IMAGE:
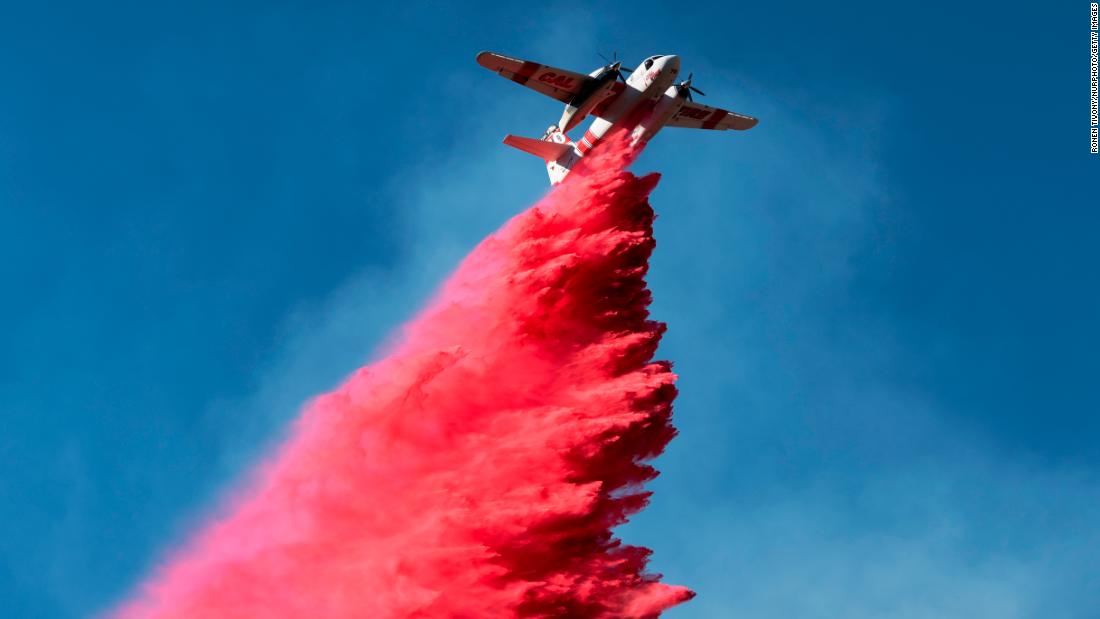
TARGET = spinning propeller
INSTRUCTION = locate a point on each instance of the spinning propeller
(686, 88)
(615, 65)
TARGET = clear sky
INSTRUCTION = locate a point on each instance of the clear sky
(882, 301)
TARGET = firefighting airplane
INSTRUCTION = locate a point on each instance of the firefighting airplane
(646, 101)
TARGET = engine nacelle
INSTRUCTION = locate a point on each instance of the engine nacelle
(590, 95)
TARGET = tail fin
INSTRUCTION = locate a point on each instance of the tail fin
(547, 151)
(554, 148)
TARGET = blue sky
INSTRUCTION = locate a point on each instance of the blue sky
(882, 301)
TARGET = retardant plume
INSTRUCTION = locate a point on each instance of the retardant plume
(478, 469)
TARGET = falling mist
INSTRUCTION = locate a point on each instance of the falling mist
(478, 469)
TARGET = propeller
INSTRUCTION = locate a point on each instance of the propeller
(614, 64)
(686, 88)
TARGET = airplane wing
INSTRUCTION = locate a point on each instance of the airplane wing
(698, 116)
(553, 82)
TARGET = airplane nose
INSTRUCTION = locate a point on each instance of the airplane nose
(673, 63)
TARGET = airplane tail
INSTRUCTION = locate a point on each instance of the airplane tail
(547, 151)
(554, 148)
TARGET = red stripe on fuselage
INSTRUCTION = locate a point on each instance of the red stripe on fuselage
(715, 118)
(525, 72)
(587, 142)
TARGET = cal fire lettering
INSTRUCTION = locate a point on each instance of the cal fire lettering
(561, 81)
(694, 112)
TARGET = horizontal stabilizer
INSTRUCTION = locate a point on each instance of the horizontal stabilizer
(547, 151)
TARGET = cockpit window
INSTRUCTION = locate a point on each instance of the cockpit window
(649, 63)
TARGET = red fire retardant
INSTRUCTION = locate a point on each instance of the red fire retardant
(478, 469)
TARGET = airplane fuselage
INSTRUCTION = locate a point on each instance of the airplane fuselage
(644, 88)
(649, 99)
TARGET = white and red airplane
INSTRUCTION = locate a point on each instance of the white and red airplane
(645, 102)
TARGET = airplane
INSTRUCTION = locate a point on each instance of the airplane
(645, 102)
